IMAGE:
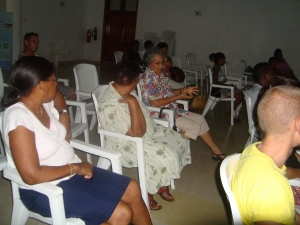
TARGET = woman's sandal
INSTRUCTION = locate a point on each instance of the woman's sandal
(218, 157)
(165, 194)
(154, 205)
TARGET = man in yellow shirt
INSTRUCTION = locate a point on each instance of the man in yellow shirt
(259, 182)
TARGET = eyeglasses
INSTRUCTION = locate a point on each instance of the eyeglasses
(158, 63)
(52, 79)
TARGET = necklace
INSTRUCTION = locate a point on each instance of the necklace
(37, 114)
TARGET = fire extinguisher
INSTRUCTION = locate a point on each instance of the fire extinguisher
(88, 36)
(94, 34)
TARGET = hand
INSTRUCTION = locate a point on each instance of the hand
(186, 96)
(69, 135)
(191, 90)
(127, 99)
(85, 169)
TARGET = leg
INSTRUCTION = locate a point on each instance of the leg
(208, 139)
(72, 96)
(133, 198)
(238, 99)
(122, 215)
(154, 205)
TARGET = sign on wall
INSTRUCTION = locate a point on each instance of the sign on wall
(6, 40)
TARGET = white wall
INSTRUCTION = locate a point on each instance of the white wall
(248, 29)
(64, 25)
(94, 18)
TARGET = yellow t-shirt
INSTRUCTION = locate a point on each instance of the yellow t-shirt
(261, 190)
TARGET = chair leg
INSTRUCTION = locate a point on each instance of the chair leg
(20, 213)
(248, 142)
(93, 122)
(213, 105)
(172, 184)
(207, 106)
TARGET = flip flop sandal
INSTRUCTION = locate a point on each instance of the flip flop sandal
(163, 191)
(154, 205)
(218, 157)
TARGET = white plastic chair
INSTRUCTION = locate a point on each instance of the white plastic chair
(54, 193)
(191, 78)
(251, 127)
(212, 101)
(118, 56)
(97, 94)
(55, 53)
(2, 154)
(86, 79)
(200, 68)
(226, 172)
(176, 61)
(242, 79)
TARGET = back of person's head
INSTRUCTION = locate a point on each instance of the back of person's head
(26, 73)
(278, 108)
(177, 74)
(259, 70)
(162, 45)
(215, 57)
(125, 73)
(134, 42)
(148, 44)
(28, 35)
(277, 51)
(150, 54)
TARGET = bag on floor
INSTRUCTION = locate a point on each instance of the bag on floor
(199, 101)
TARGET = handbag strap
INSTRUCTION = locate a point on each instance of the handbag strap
(159, 116)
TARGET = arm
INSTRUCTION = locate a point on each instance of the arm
(292, 173)
(64, 118)
(183, 93)
(25, 156)
(138, 123)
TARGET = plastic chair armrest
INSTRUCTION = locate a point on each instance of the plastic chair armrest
(51, 191)
(185, 104)
(162, 122)
(65, 81)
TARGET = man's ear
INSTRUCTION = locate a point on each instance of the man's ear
(297, 125)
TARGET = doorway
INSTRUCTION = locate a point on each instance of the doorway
(118, 27)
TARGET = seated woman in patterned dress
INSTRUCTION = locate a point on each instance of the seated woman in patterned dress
(121, 111)
(157, 92)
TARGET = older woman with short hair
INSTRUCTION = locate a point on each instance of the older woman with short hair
(157, 92)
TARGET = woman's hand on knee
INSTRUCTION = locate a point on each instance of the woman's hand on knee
(85, 169)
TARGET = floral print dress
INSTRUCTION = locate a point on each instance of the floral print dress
(166, 151)
(156, 86)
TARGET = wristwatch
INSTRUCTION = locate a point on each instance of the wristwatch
(63, 111)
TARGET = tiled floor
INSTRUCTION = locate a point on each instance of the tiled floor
(199, 195)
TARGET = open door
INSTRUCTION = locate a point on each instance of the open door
(118, 27)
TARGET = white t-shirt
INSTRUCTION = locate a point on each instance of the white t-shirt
(52, 148)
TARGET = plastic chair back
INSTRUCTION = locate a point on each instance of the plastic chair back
(86, 79)
(176, 61)
(190, 60)
(96, 94)
(226, 172)
(251, 127)
(118, 56)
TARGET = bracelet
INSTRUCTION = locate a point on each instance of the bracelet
(71, 170)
